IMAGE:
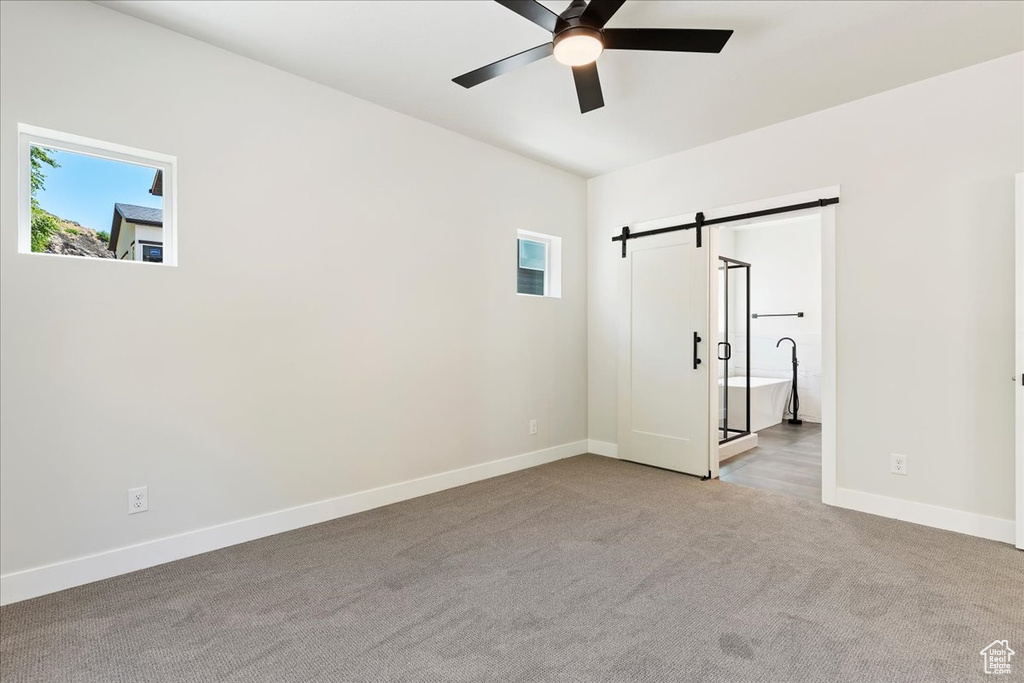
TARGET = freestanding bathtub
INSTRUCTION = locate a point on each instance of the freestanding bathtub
(768, 396)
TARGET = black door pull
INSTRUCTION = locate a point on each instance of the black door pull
(728, 350)
(696, 360)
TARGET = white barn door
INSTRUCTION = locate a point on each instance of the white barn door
(664, 356)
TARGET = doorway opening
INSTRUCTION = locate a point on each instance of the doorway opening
(769, 361)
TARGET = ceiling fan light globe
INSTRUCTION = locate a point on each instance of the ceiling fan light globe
(578, 46)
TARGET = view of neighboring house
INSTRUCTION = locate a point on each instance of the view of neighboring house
(136, 232)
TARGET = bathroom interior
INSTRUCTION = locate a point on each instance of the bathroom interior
(769, 356)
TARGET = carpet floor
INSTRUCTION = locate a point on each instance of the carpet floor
(586, 569)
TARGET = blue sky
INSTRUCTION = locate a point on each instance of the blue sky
(84, 189)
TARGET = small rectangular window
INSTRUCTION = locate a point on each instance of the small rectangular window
(532, 264)
(88, 198)
(153, 253)
(538, 264)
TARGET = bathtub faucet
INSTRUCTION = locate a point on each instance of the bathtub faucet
(790, 340)
(793, 405)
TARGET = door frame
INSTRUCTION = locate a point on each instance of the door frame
(829, 416)
(1019, 352)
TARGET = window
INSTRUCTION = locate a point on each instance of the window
(92, 199)
(533, 263)
(538, 264)
(153, 253)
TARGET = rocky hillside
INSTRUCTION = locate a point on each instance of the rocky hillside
(74, 239)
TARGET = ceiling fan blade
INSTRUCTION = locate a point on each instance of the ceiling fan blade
(486, 73)
(588, 87)
(667, 39)
(598, 12)
(534, 11)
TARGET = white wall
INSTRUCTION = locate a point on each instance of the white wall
(924, 271)
(344, 315)
(785, 258)
(125, 241)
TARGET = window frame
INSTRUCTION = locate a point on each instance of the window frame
(552, 263)
(33, 136)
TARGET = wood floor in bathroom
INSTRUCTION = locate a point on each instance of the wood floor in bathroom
(787, 460)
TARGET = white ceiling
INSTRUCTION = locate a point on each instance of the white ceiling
(785, 59)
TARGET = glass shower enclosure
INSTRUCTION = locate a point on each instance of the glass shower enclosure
(733, 330)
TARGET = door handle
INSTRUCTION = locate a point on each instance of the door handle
(728, 350)
(696, 360)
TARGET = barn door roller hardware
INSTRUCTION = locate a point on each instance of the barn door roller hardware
(699, 221)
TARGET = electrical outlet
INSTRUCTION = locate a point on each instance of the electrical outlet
(897, 463)
(138, 500)
(533, 426)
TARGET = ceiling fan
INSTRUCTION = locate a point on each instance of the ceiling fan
(579, 37)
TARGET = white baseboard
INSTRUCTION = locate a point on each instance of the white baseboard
(993, 528)
(37, 581)
(605, 448)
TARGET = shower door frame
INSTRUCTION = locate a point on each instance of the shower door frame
(733, 264)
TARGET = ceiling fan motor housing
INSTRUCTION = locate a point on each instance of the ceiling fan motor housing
(578, 30)
(570, 18)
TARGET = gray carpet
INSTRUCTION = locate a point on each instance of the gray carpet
(587, 569)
